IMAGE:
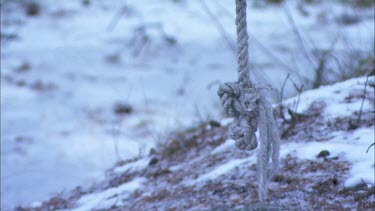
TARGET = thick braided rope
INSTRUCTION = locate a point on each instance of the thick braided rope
(241, 103)
(242, 45)
(263, 155)
(251, 109)
(270, 144)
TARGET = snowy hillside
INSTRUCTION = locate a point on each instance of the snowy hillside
(87, 84)
(326, 164)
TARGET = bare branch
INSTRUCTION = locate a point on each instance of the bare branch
(363, 100)
(296, 32)
(219, 26)
(281, 99)
(370, 147)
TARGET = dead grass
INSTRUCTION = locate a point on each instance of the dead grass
(299, 185)
(313, 126)
(187, 144)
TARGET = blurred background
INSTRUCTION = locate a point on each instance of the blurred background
(86, 83)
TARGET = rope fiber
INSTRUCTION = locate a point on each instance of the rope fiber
(251, 109)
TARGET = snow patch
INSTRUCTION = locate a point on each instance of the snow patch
(107, 198)
(223, 169)
(334, 97)
(224, 146)
(226, 121)
(350, 146)
(133, 166)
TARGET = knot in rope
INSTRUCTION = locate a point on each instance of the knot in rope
(251, 110)
(241, 103)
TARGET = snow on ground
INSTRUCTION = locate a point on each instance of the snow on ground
(342, 99)
(66, 71)
(198, 168)
(221, 170)
(342, 104)
(107, 198)
(138, 165)
(227, 144)
(350, 146)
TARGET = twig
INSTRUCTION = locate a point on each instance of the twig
(294, 115)
(318, 81)
(116, 137)
(219, 26)
(363, 100)
(299, 90)
(281, 99)
(296, 31)
(224, 9)
(116, 18)
(322, 60)
(370, 147)
(270, 54)
(369, 192)
(213, 83)
(198, 113)
(230, 42)
(337, 61)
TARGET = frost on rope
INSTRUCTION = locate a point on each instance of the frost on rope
(251, 109)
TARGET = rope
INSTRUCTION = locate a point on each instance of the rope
(251, 109)
(242, 38)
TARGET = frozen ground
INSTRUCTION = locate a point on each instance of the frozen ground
(326, 164)
(68, 68)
